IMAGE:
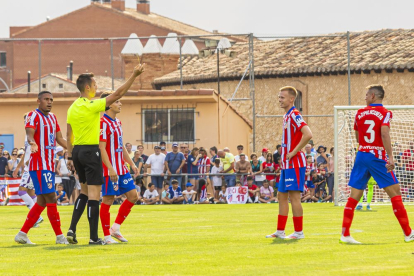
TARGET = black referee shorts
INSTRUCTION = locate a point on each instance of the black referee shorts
(88, 164)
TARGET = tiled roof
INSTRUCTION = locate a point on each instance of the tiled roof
(370, 50)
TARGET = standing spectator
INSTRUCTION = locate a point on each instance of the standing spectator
(128, 147)
(262, 158)
(240, 151)
(216, 179)
(151, 195)
(184, 150)
(13, 161)
(189, 194)
(308, 151)
(204, 165)
(192, 167)
(4, 159)
(310, 166)
(213, 154)
(257, 169)
(322, 158)
(174, 161)
(139, 163)
(278, 170)
(313, 145)
(176, 196)
(277, 153)
(156, 163)
(227, 159)
(64, 173)
(331, 171)
(163, 145)
(253, 191)
(269, 167)
(243, 167)
(141, 152)
(266, 193)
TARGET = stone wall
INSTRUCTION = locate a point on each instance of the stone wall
(319, 96)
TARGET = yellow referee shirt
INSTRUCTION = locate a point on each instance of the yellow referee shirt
(84, 117)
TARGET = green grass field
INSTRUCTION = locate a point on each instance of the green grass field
(213, 240)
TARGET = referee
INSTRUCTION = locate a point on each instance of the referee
(83, 129)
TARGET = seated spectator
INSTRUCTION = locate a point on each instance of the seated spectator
(139, 184)
(217, 179)
(269, 168)
(243, 167)
(238, 183)
(320, 182)
(165, 195)
(306, 195)
(61, 197)
(266, 193)
(253, 191)
(223, 195)
(119, 199)
(189, 194)
(151, 195)
(205, 197)
(257, 169)
(175, 192)
(315, 182)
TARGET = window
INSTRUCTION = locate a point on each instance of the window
(60, 85)
(3, 59)
(298, 101)
(43, 85)
(170, 125)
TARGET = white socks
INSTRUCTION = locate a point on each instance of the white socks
(28, 200)
(116, 227)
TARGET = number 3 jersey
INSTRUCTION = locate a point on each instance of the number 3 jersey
(368, 123)
(111, 133)
(45, 128)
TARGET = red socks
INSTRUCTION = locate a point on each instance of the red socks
(32, 217)
(401, 214)
(281, 222)
(105, 218)
(348, 215)
(54, 218)
(124, 211)
(298, 224)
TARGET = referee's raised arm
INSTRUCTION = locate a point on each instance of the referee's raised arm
(83, 129)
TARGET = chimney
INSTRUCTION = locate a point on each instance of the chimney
(28, 81)
(68, 72)
(71, 70)
(118, 5)
(143, 6)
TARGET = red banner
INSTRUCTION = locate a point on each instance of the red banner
(9, 188)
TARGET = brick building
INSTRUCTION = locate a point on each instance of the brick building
(93, 21)
(317, 67)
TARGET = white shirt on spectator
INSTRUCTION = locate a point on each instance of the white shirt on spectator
(262, 158)
(216, 179)
(189, 194)
(237, 158)
(156, 162)
(223, 195)
(148, 194)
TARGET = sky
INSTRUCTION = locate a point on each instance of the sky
(261, 17)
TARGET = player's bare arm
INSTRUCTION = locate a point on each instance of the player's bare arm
(30, 139)
(60, 140)
(129, 160)
(105, 159)
(120, 92)
(386, 140)
(306, 136)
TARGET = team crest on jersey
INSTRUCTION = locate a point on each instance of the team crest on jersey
(299, 120)
(51, 138)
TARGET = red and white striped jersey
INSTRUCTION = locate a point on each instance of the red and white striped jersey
(202, 165)
(45, 128)
(111, 133)
(292, 124)
(368, 123)
(309, 167)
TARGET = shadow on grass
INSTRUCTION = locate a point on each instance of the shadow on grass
(284, 241)
(366, 211)
(81, 246)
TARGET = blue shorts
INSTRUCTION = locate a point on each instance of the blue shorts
(310, 184)
(43, 181)
(367, 165)
(124, 185)
(292, 180)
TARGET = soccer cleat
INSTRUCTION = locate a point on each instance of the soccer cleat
(71, 237)
(61, 240)
(296, 236)
(117, 235)
(277, 234)
(98, 242)
(38, 222)
(359, 207)
(348, 240)
(409, 238)
(110, 240)
(22, 238)
(369, 208)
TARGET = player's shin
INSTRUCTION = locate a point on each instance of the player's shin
(78, 209)
(401, 214)
(348, 216)
(32, 217)
(54, 218)
(93, 218)
(123, 212)
(105, 218)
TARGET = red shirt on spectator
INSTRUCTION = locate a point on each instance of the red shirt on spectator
(252, 188)
(271, 167)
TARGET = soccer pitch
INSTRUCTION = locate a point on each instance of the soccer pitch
(213, 240)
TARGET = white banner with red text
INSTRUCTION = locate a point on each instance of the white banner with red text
(237, 195)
